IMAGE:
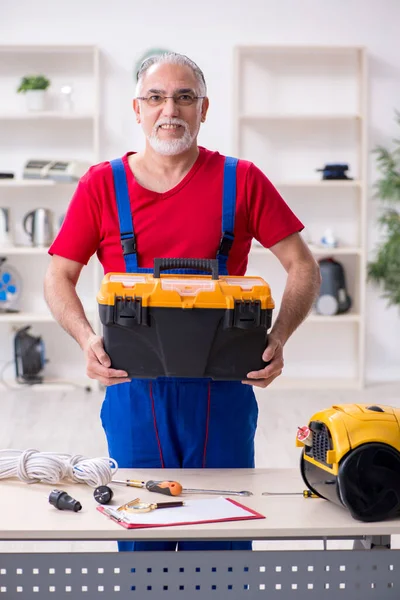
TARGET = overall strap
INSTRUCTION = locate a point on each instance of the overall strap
(228, 213)
(127, 235)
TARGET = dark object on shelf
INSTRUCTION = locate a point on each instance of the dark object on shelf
(4, 175)
(333, 298)
(63, 501)
(29, 357)
(335, 171)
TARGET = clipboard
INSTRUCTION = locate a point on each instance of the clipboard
(194, 512)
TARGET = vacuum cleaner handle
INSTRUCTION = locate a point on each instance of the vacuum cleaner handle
(200, 264)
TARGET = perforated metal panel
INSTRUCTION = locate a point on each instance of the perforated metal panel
(289, 575)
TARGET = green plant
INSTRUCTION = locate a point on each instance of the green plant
(33, 82)
(385, 269)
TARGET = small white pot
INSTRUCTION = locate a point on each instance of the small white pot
(35, 99)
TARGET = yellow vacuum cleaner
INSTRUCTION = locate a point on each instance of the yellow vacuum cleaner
(185, 325)
(351, 456)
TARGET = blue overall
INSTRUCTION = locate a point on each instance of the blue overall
(179, 423)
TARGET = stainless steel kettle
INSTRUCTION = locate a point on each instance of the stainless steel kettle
(38, 224)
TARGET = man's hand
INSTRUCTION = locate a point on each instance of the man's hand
(98, 363)
(273, 353)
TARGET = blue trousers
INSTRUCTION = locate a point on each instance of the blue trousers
(181, 423)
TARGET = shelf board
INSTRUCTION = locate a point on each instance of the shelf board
(22, 250)
(318, 183)
(16, 182)
(46, 115)
(51, 385)
(295, 48)
(350, 250)
(345, 318)
(317, 250)
(25, 317)
(31, 317)
(300, 117)
(292, 383)
(39, 48)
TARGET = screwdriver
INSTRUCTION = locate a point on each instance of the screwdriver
(304, 493)
(220, 492)
(168, 488)
(174, 488)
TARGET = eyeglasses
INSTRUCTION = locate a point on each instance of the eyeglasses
(179, 99)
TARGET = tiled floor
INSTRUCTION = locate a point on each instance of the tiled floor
(68, 422)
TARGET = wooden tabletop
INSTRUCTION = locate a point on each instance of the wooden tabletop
(25, 512)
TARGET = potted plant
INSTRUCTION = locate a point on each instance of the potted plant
(385, 269)
(34, 87)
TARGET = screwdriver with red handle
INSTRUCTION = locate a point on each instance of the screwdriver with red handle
(168, 488)
(174, 488)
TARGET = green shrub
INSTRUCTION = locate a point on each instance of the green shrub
(33, 82)
(385, 269)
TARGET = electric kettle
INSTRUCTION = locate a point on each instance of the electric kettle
(5, 237)
(38, 224)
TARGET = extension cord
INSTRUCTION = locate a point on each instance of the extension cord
(32, 466)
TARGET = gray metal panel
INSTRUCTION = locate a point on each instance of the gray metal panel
(277, 575)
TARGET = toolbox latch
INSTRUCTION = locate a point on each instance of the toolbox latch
(129, 312)
(246, 314)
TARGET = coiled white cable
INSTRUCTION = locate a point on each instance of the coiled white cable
(33, 466)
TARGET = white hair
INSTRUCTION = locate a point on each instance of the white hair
(174, 59)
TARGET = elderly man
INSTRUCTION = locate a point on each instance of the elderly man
(175, 199)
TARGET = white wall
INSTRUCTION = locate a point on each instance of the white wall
(207, 31)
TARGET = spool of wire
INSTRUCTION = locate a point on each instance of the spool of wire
(32, 466)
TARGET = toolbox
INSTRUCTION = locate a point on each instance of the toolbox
(185, 325)
(351, 456)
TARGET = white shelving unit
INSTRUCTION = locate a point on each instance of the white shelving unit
(46, 115)
(35, 317)
(325, 184)
(297, 117)
(55, 134)
(35, 183)
(318, 250)
(296, 109)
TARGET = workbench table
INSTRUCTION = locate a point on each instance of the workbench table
(25, 514)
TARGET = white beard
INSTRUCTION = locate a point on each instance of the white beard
(171, 147)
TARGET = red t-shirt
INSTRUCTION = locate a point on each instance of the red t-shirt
(184, 222)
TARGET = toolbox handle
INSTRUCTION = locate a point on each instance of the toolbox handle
(200, 264)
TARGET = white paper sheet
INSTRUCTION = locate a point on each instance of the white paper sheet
(193, 511)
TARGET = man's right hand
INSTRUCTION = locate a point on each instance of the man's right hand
(98, 363)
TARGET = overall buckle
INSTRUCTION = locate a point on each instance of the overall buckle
(128, 244)
(225, 244)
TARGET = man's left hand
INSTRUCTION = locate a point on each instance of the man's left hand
(273, 353)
